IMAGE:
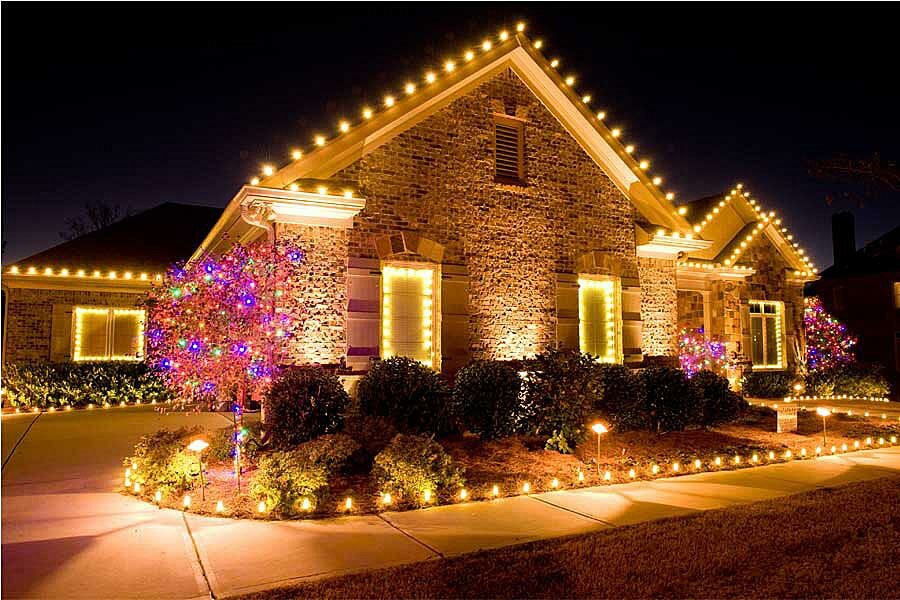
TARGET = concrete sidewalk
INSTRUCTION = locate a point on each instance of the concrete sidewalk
(68, 534)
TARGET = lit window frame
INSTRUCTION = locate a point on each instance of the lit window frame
(430, 275)
(111, 312)
(612, 288)
(780, 365)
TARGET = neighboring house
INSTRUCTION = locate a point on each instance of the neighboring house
(81, 300)
(487, 213)
(862, 290)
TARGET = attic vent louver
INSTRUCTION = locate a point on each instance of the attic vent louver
(509, 160)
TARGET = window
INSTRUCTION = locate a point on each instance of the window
(599, 318)
(101, 333)
(766, 344)
(509, 150)
(897, 294)
(407, 313)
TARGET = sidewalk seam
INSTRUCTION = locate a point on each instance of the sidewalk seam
(410, 536)
(574, 512)
(24, 433)
(187, 526)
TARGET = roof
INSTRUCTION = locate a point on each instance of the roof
(734, 221)
(147, 241)
(353, 139)
(879, 256)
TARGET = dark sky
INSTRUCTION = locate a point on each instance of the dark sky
(140, 104)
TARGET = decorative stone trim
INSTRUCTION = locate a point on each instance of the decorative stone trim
(407, 242)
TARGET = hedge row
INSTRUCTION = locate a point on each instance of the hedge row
(853, 379)
(46, 384)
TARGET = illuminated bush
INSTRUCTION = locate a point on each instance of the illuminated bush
(302, 403)
(852, 379)
(284, 479)
(415, 397)
(77, 384)
(161, 461)
(489, 394)
(561, 389)
(411, 465)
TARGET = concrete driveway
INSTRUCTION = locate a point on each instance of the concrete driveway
(68, 533)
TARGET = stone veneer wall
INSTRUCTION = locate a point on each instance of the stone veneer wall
(690, 310)
(437, 179)
(659, 307)
(29, 317)
(315, 294)
(770, 283)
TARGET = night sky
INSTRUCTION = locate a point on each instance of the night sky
(141, 104)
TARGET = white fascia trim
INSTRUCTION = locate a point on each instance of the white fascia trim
(302, 208)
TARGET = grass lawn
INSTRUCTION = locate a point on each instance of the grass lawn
(511, 462)
(837, 543)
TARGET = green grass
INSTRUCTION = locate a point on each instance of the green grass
(838, 543)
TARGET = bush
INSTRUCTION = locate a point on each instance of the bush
(161, 461)
(221, 443)
(561, 390)
(302, 403)
(620, 397)
(671, 399)
(489, 395)
(412, 395)
(412, 464)
(767, 384)
(284, 479)
(853, 379)
(46, 384)
(373, 434)
(718, 404)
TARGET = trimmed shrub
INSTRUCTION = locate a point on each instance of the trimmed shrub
(489, 395)
(161, 461)
(46, 384)
(412, 464)
(718, 404)
(303, 403)
(853, 379)
(767, 384)
(373, 434)
(561, 389)
(671, 399)
(221, 443)
(409, 393)
(284, 479)
(620, 397)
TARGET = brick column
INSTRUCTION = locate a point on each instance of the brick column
(315, 295)
(659, 306)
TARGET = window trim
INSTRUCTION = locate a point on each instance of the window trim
(779, 332)
(519, 125)
(430, 301)
(614, 355)
(111, 313)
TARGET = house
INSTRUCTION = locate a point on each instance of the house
(487, 212)
(862, 290)
(81, 300)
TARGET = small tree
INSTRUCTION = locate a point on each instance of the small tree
(697, 353)
(213, 329)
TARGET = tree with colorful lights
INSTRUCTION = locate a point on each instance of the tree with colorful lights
(213, 325)
(828, 343)
(696, 352)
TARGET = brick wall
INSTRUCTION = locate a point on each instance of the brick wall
(30, 313)
(315, 294)
(659, 307)
(438, 179)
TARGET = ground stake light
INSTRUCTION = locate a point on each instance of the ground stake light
(823, 412)
(599, 429)
(199, 446)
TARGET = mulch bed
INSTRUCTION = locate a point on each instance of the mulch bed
(512, 463)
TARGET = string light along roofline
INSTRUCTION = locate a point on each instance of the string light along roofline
(452, 70)
(765, 221)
